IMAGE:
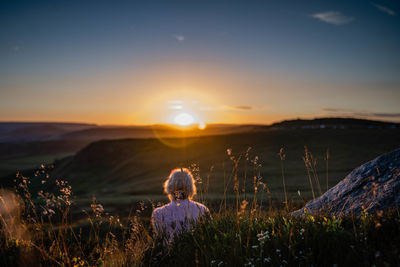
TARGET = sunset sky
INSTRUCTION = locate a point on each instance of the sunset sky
(144, 62)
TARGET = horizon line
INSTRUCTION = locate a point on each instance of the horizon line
(194, 124)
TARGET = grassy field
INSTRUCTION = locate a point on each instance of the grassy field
(41, 231)
(14, 164)
(121, 172)
(29, 155)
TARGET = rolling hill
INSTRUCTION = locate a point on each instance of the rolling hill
(26, 145)
(137, 167)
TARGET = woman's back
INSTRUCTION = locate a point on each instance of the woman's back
(177, 216)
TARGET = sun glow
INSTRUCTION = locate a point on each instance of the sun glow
(184, 119)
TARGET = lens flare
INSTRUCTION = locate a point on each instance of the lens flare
(202, 125)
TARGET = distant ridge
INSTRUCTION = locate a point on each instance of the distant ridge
(15, 132)
(37, 131)
(334, 123)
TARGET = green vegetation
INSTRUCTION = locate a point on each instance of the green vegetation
(39, 227)
(10, 165)
(280, 240)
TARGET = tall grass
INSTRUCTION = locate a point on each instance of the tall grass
(280, 240)
(327, 168)
(282, 157)
(311, 166)
(41, 228)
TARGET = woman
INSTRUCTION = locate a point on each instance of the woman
(180, 214)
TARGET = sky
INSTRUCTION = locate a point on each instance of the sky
(146, 62)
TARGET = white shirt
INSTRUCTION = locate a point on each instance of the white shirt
(177, 216)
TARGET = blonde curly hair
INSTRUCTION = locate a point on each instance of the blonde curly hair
(180, 184)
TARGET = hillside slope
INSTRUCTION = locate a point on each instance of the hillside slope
(139, 166)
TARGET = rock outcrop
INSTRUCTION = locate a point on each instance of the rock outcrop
(373, 186)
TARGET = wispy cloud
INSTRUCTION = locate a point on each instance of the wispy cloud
(384, 9)
(179, 38)
(243, 107)
(333, 17)
(177, 102)
(361, 113)
(175, 107)
(234, 108)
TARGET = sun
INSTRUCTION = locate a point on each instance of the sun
(184, 119)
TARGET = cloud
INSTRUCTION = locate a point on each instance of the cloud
(336, 110)
(175, 102)
(175, 107)
(179, 38)
(234, 108)
(386, 115)
(243, 107)
(361, 113)
(384, 9)
(333, 17)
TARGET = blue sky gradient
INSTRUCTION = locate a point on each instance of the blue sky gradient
(292, 58)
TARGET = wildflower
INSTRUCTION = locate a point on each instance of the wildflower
(247, 153)
(243, 207)
(262, 236)
(282, 154)
(302, 231)
(255, 160)
(97, 209)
